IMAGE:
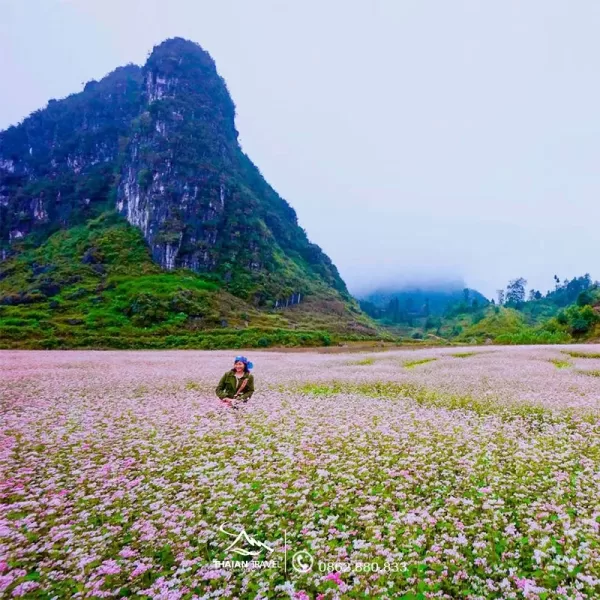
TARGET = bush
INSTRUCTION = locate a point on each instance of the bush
(553, 326)
(585, 298)
(533, 337)
(51, 343)
(579, 319)
(146, 310)
(456, 330)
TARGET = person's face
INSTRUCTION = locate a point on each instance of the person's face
(239, 366)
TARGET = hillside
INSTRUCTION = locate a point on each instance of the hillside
(141, 175)
(568, 313)
(405, 309)
(96, 285)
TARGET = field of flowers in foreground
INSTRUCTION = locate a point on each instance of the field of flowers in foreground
(471, 473)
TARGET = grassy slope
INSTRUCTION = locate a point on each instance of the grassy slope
(509, 326)
(95, 285)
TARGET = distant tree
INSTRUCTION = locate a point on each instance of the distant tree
(466, 293)
(500, 297)
(567, 293)
(393, 310)
(409, 311)
(371, 309)
(478, 316)
(579, 319)
(585, 298)
(538, 295)
(515, 292)
(430, 323)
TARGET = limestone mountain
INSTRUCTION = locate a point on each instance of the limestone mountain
(156, 146)
(159, 145)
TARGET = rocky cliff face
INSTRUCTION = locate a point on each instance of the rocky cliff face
(180, 165)
(58, 165)
(159, 145)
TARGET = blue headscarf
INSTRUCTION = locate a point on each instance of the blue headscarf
(243, 359)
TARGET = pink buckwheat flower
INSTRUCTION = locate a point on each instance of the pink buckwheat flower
(334, 577)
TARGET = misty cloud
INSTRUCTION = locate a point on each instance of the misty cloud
(416, 140)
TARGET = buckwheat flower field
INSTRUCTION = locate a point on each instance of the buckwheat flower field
(435, 473)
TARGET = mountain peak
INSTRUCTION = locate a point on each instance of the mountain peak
(178, 46)
(184, 58)
(182, 71)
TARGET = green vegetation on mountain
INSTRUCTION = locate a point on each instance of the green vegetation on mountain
(130, 217)
(96, 285)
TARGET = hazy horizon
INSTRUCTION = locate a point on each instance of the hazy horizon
(416, 141)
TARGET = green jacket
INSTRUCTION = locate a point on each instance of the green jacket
(228, 386)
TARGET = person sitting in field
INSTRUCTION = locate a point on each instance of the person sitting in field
(237, 385)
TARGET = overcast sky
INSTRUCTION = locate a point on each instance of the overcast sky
(415, 139)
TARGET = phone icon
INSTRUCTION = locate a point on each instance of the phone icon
(302, 561)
